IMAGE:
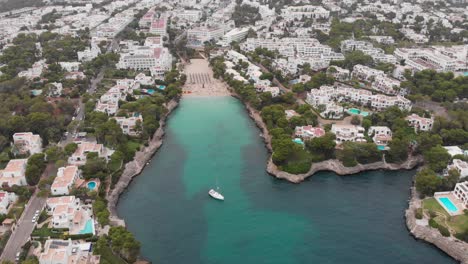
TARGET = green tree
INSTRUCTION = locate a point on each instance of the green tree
(427, 182)
(34, 168)
(322, 148)
(437, 158)
(123, 242)
(70, 148)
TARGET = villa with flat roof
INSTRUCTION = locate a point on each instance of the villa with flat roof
(66, 177)
(58, 251)
(420, 123)
(461, 192)
(460, 166)
(79, 156)
(27, 143)
(309, 132)
(348, 133)
(14, 173)
(382, 135)
(68, 212)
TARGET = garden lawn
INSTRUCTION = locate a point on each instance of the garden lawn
(458, 223)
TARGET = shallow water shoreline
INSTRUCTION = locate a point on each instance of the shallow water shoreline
(136, 166)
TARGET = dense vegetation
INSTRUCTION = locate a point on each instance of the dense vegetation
(440, 86)
(245, 15)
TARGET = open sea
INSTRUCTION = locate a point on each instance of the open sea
(327, 219)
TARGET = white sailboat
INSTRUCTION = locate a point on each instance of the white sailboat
(215, 193)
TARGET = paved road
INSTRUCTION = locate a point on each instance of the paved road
(24, 229)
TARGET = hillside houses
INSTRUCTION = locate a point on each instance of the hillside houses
(328, 95)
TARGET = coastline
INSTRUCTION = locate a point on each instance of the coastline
(136, 166)
(422, 231)
(328, 165)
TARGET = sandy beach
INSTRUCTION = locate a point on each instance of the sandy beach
(200, 80)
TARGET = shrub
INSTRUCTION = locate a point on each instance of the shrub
(443, 231)
(433, 223)
(418, 213)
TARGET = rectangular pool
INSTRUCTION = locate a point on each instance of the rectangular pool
(448, 204)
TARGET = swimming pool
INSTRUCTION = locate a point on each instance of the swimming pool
(380, 147)
(91, 185)
(88, 228)
(355, 111)
(448, 204)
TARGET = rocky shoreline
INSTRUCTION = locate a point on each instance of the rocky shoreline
(328, 165)
(420, 229)
(337, 167)
(136, 166)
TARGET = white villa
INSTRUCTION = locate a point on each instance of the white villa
(58, 251)
(309, 132)
(79, 157)
(460, 166)
(66, 177)
(461, 192)
(128, 124)
(382, 135)
(14, 173)
(68, 212)
(348, 133)
(6, 200)
(420, 123)
(27, 143)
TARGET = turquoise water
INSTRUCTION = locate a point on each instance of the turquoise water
(380, 147)
(91, 185)
(327, 219)
(88, 228)
(448, 204)
(355, 111)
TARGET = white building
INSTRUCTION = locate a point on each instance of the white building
(79, 156)
(14, 173)
(456, 150)
(309, 132)
(420, 123)
(437, 58)
(328, 94)
(368, 48)
(381, 135)
(66, 177)
(338, 73)
(461, 192)
(27, 143)
(6, 200)
(460, 166)
(236, 34)
(158, 27)
(89, 53)
(35, 71)
(56, 251)
(298, 12)
(346, 133)
(146, 58)
(68, 212)
(198, 35)
(128, 124)
(70, 66)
